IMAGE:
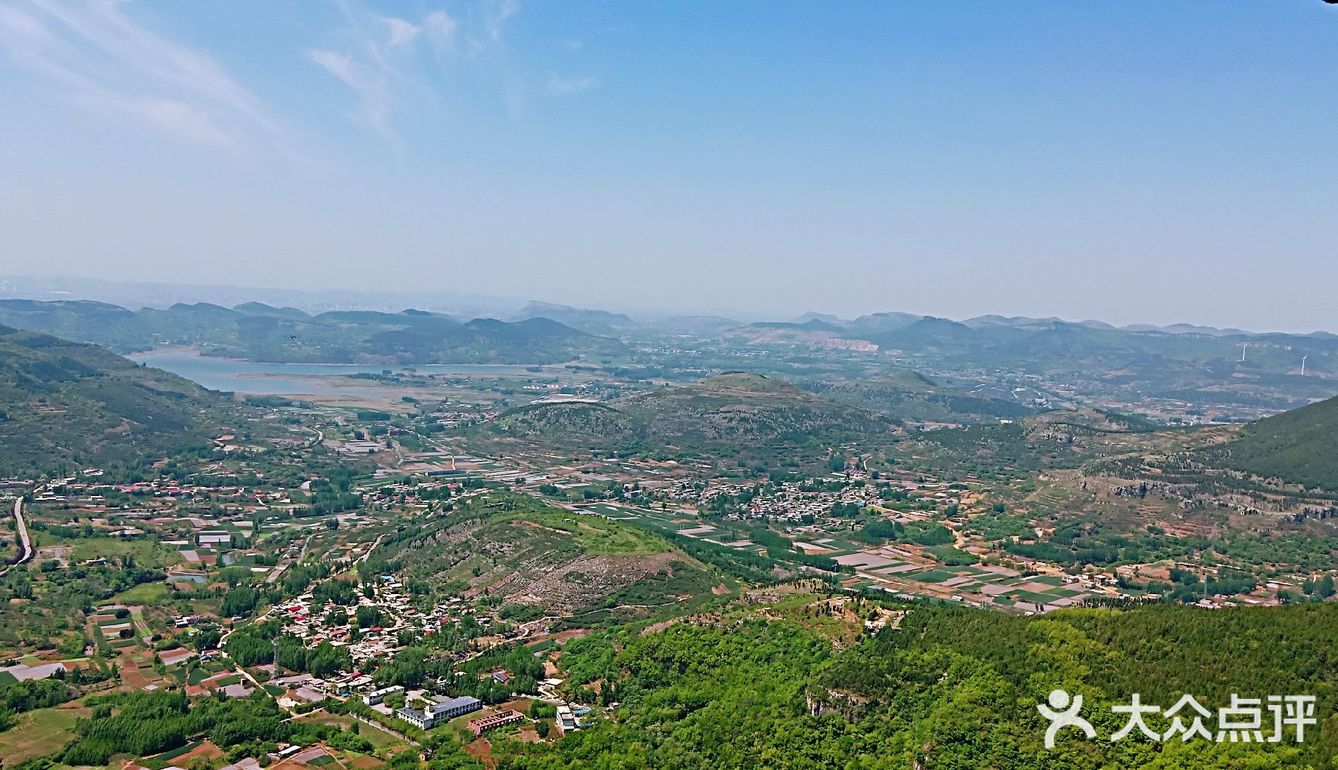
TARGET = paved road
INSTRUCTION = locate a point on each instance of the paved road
(379, 538)
(25, 542)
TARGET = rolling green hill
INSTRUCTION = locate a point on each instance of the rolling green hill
(1061, 438)
(746, 409)
(65, 405)
(578, 425)
(591, 321)
(1300, 446)
(547, 561)
(747, 417)
(912, 397)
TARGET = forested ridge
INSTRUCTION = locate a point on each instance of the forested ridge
(1299, 446)
(950, 688)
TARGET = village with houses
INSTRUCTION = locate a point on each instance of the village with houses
(350, 569)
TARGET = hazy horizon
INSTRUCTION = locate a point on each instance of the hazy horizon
(134, 295)
(1138, 163)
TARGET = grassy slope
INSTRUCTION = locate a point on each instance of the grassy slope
(39, 733)
(592, 534)
(747, 407)
(566, 563)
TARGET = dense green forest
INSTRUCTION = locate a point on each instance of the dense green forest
(950, 688)
(1300, 446)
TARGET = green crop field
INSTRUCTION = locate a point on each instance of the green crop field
(147, 553)
(930, 576)
(144, 593)
(39, 733)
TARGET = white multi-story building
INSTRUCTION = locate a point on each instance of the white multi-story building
(443, 710)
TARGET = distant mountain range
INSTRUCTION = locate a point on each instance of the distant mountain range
(590, 321)
(136, 294)
(471, 305)
(1024, 343)
(1203, 367)
(1041, 344)
(260, 332)
(1199, 365)
(890, 321)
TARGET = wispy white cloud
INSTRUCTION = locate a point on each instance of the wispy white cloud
(496, 14)
(18, 27)
(380, 60)
(370, 83)
(184, 120)
(102, 59)
(487, 23)
(441, 32)
(402, 33)
(565, 86)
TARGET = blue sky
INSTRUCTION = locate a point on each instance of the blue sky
(1142, 161)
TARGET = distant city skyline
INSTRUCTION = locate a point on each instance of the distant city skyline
(1143, 162)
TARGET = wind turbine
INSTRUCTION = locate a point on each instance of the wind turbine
(1242, 350)
(1303, 358)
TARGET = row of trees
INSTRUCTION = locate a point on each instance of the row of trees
(144, 723)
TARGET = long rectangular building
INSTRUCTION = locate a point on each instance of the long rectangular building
(376, 697)
(442, 710)
(493, 721)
